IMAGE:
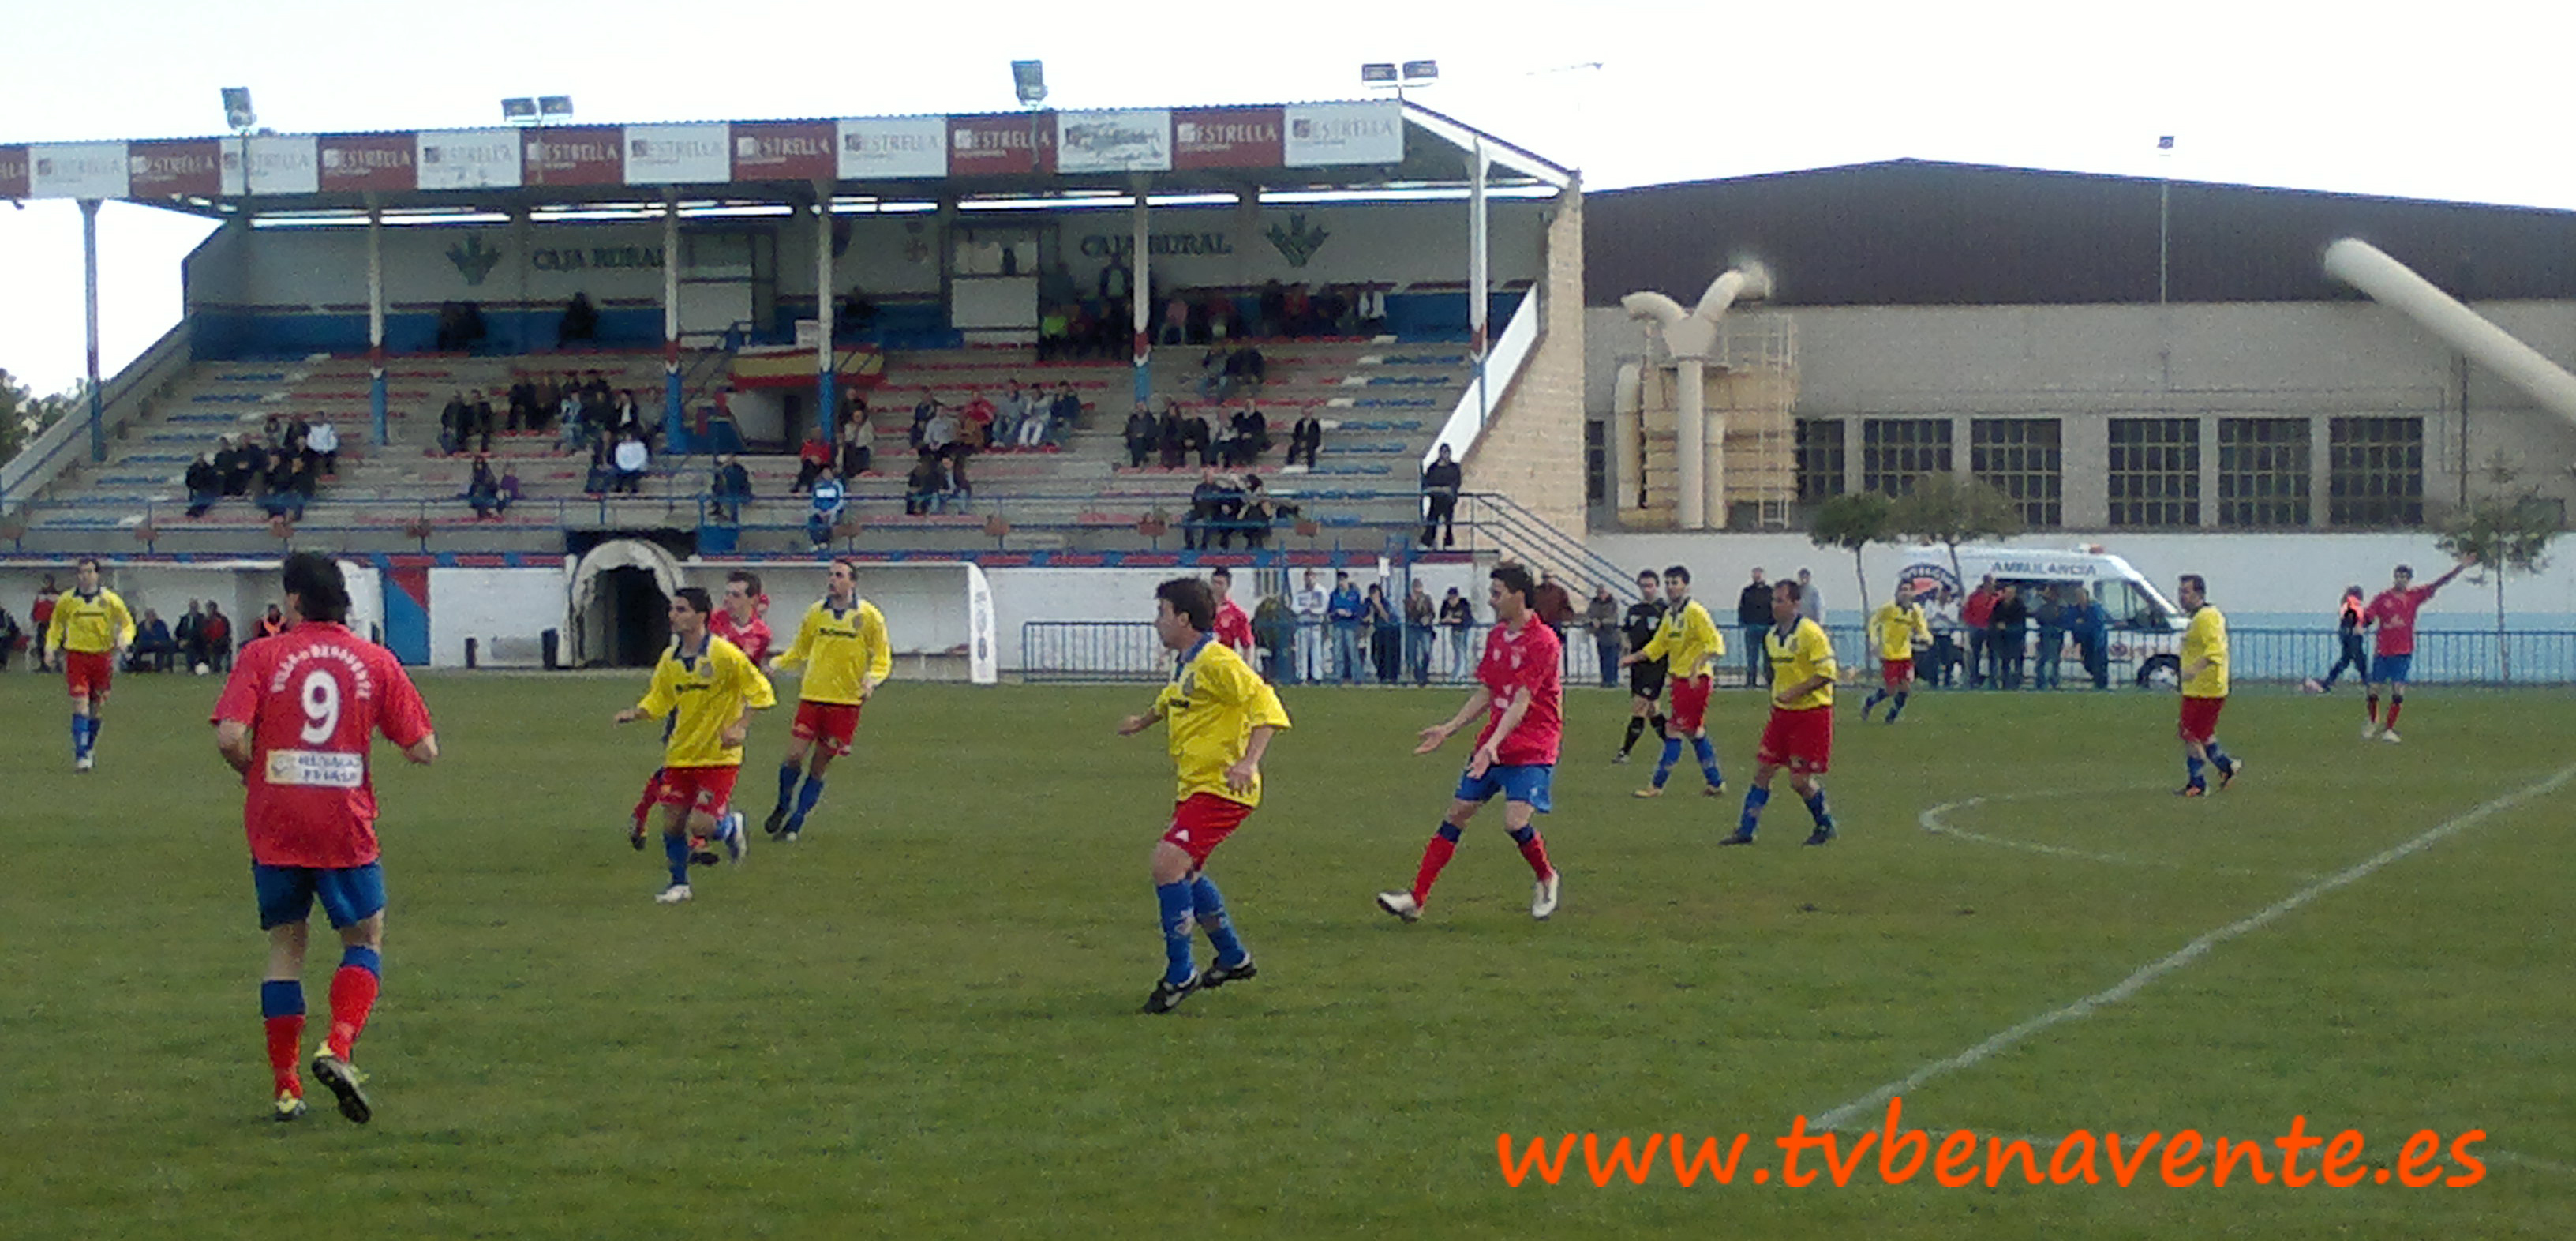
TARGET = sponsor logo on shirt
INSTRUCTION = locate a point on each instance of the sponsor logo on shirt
(316, 769)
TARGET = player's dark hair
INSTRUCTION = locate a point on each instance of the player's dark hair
(86, 562)
(1796, 592)
(321, 594)
(2408, 570)
(750, 582)
(1679, 571)
(2196, 582)
(2352, 592)
(1645, 575)
(1221, 572)
(1515, 579)
(1191, 600)
(696, 598)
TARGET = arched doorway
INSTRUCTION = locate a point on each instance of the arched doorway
(621, 592)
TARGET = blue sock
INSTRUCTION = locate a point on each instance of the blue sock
(364, 958)
(2218, 757)
(2193, 766)
(1898, 709)
(1755, 799)
(1870, 703)
(788, 775)
(806, 798)
(676, 848)
(281, 998)
(1209, 907)
(80, 735)
(1664, 765)
(1816, 810)
(1178, 906)
(1707, 755)
(95, 724)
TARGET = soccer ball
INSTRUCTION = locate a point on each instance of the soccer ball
(203, 670)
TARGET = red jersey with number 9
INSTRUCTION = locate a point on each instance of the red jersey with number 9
(313, 698)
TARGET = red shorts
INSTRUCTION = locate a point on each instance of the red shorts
(1802, 741)
(705, 790)
(833, 724)
(1690, 702)
(88, 673)
(1894, 673)
(2200, 718)
(1203, 822)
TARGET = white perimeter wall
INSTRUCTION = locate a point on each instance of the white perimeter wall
(243, 588)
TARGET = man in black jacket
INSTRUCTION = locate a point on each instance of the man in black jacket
(1753, 616)
(205, 484)
(1141, 435)
(2004, 644)
(1440, 483)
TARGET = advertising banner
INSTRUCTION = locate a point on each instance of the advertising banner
(187, 166)
(678, 154)
(273, 164)
(1343, 133)
(76, 170)
(1228, 137)
(987, 146)
(898, 146)
(362, 162)
(785, 151)
(573, 155)
(1126, 140)
(469, 159)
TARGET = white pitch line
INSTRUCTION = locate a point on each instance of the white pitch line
(2526, 1161)
(2194, 950)
(1936, 821)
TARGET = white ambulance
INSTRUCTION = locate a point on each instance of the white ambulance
(2145, 637)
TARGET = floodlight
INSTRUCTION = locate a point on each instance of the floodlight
(1378, 74)
(554, 105)
(1029, 76)
(1421, 71)
(519, 111)
(2165, 142)
(237, 110)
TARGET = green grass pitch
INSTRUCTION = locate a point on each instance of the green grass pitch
(921, 1020)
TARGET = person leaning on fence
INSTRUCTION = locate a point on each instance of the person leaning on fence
(1458, 616)
(1385, 635)
(2090, 626)
(2004, 643)
(2050, 617)
(1420, 615)
(1349, 612)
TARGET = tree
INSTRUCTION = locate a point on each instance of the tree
(24, 415)
(2500, 535)
(1950, 509)
(1852, 521)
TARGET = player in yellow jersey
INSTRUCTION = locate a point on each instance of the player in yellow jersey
(842, 643)
(714, 689)
(1221, 716)
(1899, 629)
(1690, 646)
(91, 628)
(1800, 735)
(2204, 690)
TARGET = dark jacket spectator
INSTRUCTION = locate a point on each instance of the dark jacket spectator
(205, 484)
(483, 491)
(922, 486)
(1440, 483)
(154, 647)
(1305, 439)
(2004, 642)
(731, 489)
(580, 321)
(1142, 435)
(215, 634)
(192, 646)
(9, 635)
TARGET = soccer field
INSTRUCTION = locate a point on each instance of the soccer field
(921, 1019)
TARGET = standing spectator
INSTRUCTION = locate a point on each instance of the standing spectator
(322, 449)
(1175, 328)
(1753, 617)
(1554, 606)
(192, 648)
(1602, 617)
(1458, 617)
(2351, 617)
(731, 488)
(41, 615)
(1311, 605)
(1944, 614)
(9, 636)
(1349, 610)
(1974, 617)
(1274, 628)
(216, 632)
(1305, 439)
(1811, 601)
(858, 442)
(2090, 625)
(1386, 635)
(1420, 613)
(2004, 642)
(1440, 482)
(2050, 617)
(1141, 435)
(812, 458)
(478, 415)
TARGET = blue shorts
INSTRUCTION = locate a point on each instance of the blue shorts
(1522, 782)
(2390, 669)
(350, 895)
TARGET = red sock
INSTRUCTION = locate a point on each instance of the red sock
(1434, 856)
(1534, 852)
(2393, 706)
(285, 1036)
(353, 995)
(2374, 708)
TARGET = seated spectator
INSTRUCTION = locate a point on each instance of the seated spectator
(1250, 369)
(580, 321)
(1173, 439)
(237, 464)
(731, 489)
(285, 495)
(1141, 435)
(975, 421)
(922, 411)
(1215, 504)
(626, 414)
(509, 487)
(922, 486)
(1305, 439)
(1212, 373)
(631, 460)
(153, 646)
(1197, 439)
(858, 442)
(826, 495)
(1254, 428)
(215, 637)
(483, 491)
(1063, 414)
(1055, 334)
(939, 435)
(322, 449)
(1014, 409)
(1260, 513)
(812, 458)
(955, 492)
(205, 484)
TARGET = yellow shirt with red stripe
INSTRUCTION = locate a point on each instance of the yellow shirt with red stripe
(93, 625)
(1805, 654)
(1688, 641)
(1899, 629)
(710, 692)
(2206, 639)
(843, 652)
(1211, 706)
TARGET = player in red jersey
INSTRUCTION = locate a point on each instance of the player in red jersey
(1520, 691)
(1233, 626)
(296, 719)
(2394, 612)
(741, 621)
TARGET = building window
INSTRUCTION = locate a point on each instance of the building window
(2263, 472)
(1896, 451)
(2020, 457)
(2155, 472)
(2375, 472)
(1820, 459)
(1596, 462)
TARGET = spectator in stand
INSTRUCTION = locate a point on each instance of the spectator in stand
(812, 458)
(1172, 438)
(1197, 438)
(630, 418)
(1212, 374)
(283, 495)
(1609, 642)
(1140, 436)
(205, 484)
(955, 493)
(1064, 413)
(1055, 333)
(1271, 307)
(479, 412)
(192, 647)
(939, 435)
(215, 633)
(858, 443)
(1348, 611)
(1459, 618)
(826, 496)
(922, 411)
(730, 490)
(1975, 616)
(41, 615)
(2050, 617)
(1259, 511)
(2003, 636)
(632, 460)
(1440, 482)
(1753, 618)
(922, 486)
(2090, 626)
(1420, 616)
(322, 447)
(1554, 606)
(237, 465)
(1012, 412)
(1254, 430)
(975, 428)
(1175, 328)
(483, 490)
(1215, 506)
(1306, 438)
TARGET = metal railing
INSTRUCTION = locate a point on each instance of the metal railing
(121, 398)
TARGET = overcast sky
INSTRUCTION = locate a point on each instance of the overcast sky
(2452, 101)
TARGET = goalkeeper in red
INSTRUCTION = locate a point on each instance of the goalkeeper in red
(842, 643)
(296, 719)
(710, 688)
(1221, 716)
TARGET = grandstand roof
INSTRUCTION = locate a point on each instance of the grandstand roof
(1344, 145)
(1915, 232)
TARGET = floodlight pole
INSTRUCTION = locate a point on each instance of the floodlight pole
(376, 319)
(1139, 276)
(827, 395)
(671, 317)
(1478, 273)
(89, 303)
